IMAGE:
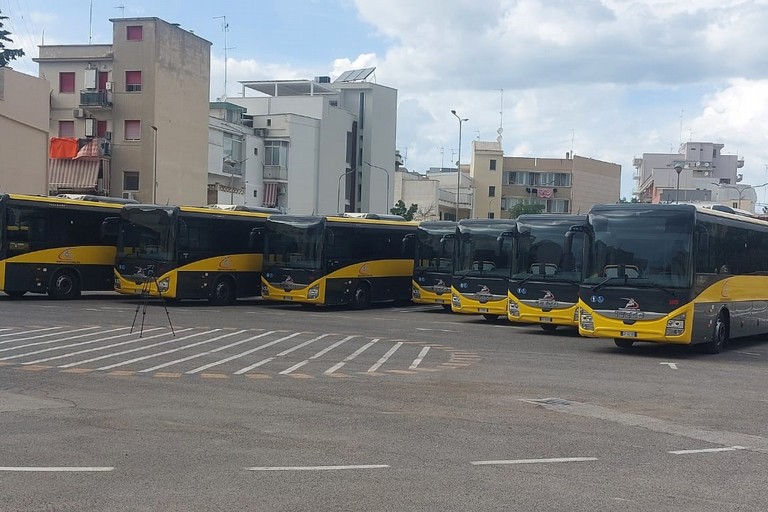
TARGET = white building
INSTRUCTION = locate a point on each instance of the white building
(328, 146)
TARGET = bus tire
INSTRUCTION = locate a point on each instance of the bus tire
(362, 296)
(719, 335)
(64, 286)
(490, 317)
(15, 294)
(223, 292)
(548, 327)
(447, 307)
(623, 343)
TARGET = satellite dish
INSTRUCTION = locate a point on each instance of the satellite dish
(500, 130)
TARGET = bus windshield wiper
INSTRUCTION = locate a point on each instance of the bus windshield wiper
(605, 281)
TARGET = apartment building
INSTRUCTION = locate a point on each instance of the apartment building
(144, 98)
(24, 129)
(328, 147)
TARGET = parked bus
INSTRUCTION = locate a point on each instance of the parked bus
(186, 252)
(547, 265)
(482, 266)
(350, 259)
(55, 245)
(433, 265)
(674, 274)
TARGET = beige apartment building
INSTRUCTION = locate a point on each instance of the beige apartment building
(144, 101)
(23, 133)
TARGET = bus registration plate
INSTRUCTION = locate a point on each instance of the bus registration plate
(288, 297)
(545, 319)
(482, 310)
(628, 334)
(439, 301)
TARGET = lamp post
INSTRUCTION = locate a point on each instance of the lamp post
(678, 170)
(386, 203)
(458, 164)
(338, 190)
(740, 190)
(489, 207)
(154, 166)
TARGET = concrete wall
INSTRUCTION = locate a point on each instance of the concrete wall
(24, 128)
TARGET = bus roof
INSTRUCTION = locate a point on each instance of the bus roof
(693, 209)
(313, 219)
(61, 200)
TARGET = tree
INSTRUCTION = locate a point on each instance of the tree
(7, 54)
(520, 209)
(406, 213)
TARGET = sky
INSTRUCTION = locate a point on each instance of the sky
(606, 79)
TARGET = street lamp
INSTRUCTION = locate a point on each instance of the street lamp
(386, 203)
(458, 163)
(678, 170)
(338, 190)
(154, 166)
(740, 190)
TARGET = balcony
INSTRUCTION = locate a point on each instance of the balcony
(96, 99)
(275, 172)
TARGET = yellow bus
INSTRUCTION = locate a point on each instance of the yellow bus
(55, 245)
(674, 273)
(547, 266)
(433, 264)
(187, 252)
(338, 260)
(481, 268)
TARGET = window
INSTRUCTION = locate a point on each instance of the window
(67, 82)
(101, 129)
(133, 81)
(492, 191)
(66, 128)
(276, 153)
(493, 164)
(132, 130)
(491, 215)
(134, 32)
(131, 181)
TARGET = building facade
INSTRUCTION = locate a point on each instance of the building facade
(24, 128)
(145, 97)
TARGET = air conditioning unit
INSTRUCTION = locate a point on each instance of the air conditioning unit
(78, 113)
(282, 190)
(128, 195)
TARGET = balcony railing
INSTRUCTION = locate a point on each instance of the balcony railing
(275, 172)
(92, 98)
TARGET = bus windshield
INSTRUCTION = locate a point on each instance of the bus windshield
(146, 234)
(480, 253)
(294, 245)
(434, 251)
(542, 251)
(650, 248)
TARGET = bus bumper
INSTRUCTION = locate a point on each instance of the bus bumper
(162, 286)
(674, 328)
(522, 313)
(421, 296)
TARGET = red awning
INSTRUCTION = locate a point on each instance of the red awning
(270, 195)
(80, 174)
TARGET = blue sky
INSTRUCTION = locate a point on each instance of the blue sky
(611, 79)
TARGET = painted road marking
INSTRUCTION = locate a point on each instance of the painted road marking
(58, 469)
(29, 332)
(708, 450)
(385, 357)
(532, 461)
(61, 347)
(671, 365)
(288, 351)
(317, 468)
(255, 365)
(236, 356)
(350, 357)
(47, 335)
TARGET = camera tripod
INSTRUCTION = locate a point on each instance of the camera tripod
(146, 281)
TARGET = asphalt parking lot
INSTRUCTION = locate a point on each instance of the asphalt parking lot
(108, 405)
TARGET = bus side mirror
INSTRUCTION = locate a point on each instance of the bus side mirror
(109, 228)
(408, 245)
(444, 240)
(500, 241)
(256, 239)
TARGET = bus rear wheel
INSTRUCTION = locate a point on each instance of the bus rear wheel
(64, 286)
(622, 343)
(223, 293)
(362, 297)
(719, 335)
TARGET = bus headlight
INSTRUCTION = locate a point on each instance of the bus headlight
(117, 283)
(455, 301)
(264, 290)
(576, 314)
(313, 292)
(163, 285)
(586, 322)
(415, 293)
(514, 308)
(675, 326)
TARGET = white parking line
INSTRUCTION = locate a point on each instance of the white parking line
(350, 357)
(237, 356)
(57, 469)
(255, 365)
(708, 450)
(56, 341)
(288, 351)
(317, 468)
(532, 461)
(49, 334)
(419, 358)
(28, 332)
(385, 357)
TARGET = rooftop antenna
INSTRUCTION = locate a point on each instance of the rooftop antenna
(501, 119)
(681, 126)
(225, 29)
(122, 10)
(90, 23)
(442, 159)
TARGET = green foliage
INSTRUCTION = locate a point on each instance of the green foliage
(7, 54)
(520, 209)
(406, 213)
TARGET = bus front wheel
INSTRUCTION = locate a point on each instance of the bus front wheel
(719, 335)
(64, 286)
(223, 292)
(362, 297)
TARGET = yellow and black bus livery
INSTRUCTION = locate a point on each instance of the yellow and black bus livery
(433, 264)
